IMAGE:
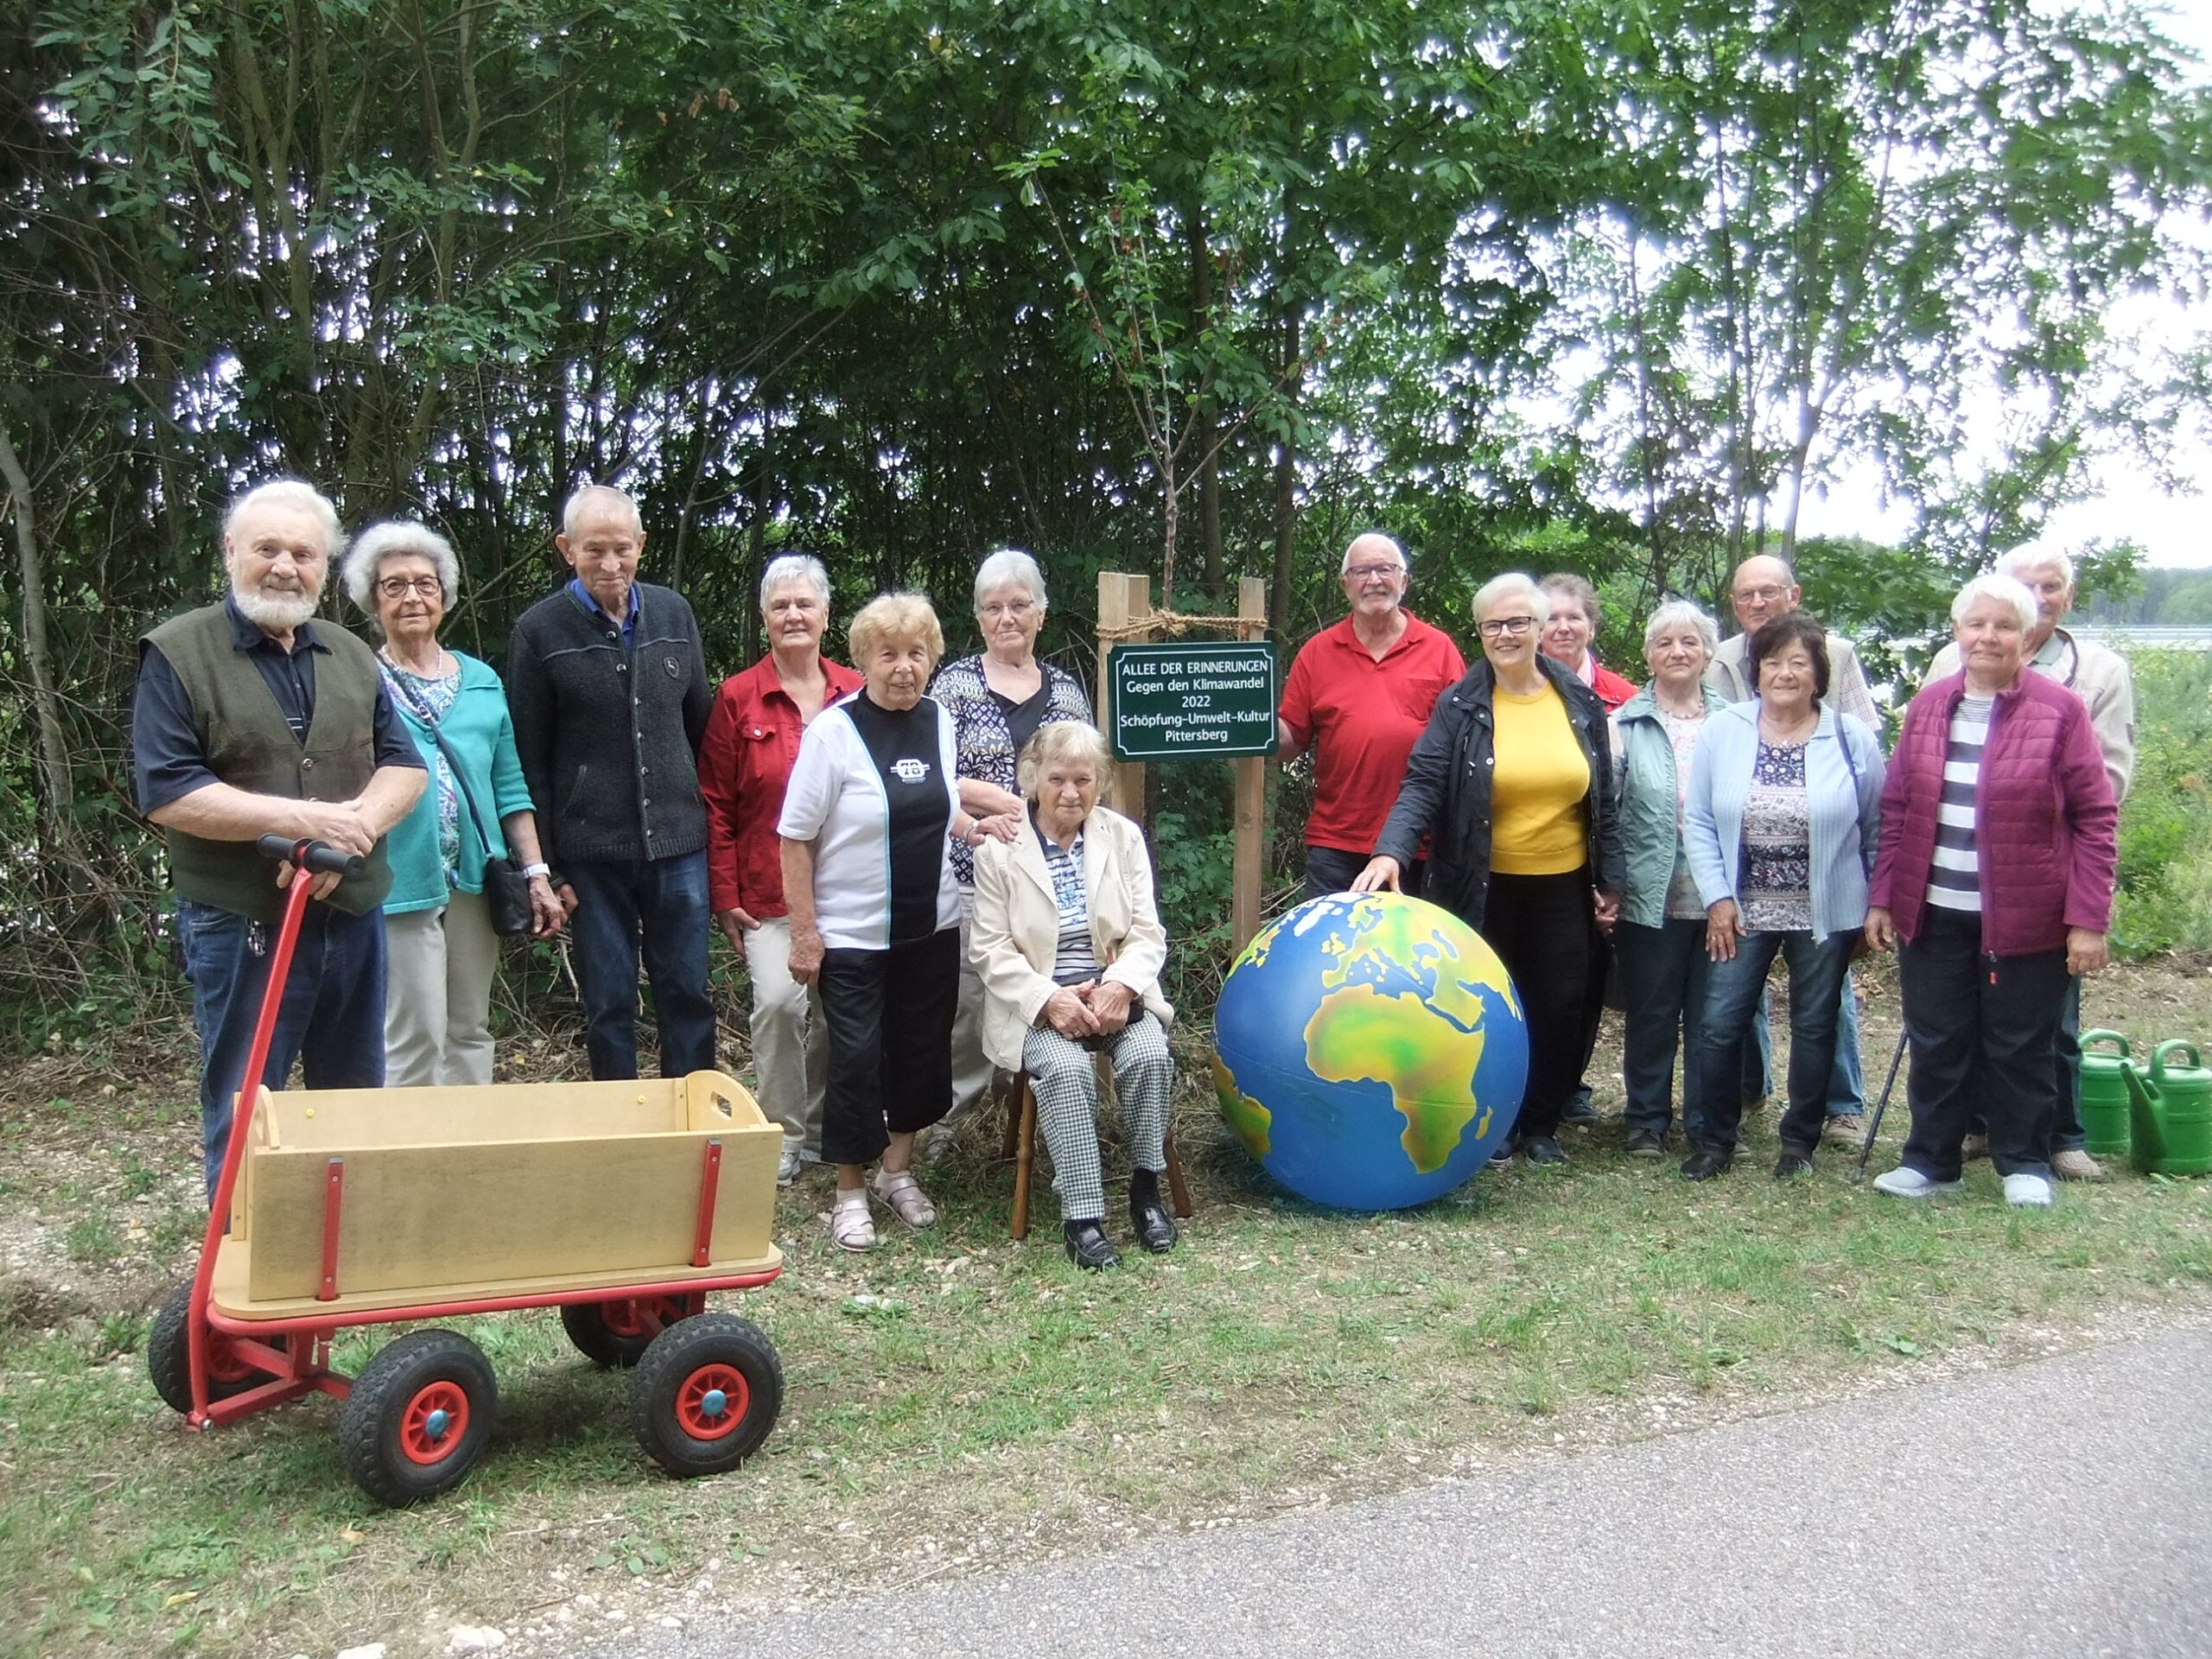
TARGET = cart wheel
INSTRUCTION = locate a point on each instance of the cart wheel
(706, 1394)
(617, 1333)
(169, 1356)
(418, 1416)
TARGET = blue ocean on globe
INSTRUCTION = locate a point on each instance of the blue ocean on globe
(1369, 1050)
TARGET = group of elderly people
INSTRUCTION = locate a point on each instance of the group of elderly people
(1704, 836)
(915, 861)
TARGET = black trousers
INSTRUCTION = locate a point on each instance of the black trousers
(1544, 929)
(1331, 869)
(1983, 1031)
(888, 1016)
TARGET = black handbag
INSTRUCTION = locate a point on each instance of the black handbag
(506, 889)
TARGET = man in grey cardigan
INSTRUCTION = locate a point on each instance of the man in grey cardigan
(607, 681)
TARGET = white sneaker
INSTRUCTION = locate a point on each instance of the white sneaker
(1905, 1182)
(787, 1166)
(2028, 1191)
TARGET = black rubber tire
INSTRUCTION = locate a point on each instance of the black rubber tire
(597, 1340)
(169, 1356)
(704, 1345)
(375, 1420)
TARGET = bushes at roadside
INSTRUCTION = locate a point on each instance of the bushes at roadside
(2165, 828)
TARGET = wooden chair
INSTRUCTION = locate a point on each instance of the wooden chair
(1020, 1145)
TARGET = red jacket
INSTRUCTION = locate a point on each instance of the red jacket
(1613, 690)
(745, 761)
(2043, 817)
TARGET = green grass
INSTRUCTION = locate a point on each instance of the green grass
(1284, 1354)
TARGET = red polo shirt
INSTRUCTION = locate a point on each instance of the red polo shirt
(745, 761)
(1361, 718)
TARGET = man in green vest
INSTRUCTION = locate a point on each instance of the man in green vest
(249, 720)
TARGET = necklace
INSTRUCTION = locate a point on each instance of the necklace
(1771, 730)
(436, 670)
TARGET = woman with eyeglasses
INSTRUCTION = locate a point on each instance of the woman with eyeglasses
(440, 944)
(997, 699)
(1513, 784)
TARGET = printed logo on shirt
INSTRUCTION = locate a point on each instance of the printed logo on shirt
(909, 769)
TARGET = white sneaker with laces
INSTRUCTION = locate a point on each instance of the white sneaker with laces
(2028, 1191)
(1905, 1182)
(787, 1166)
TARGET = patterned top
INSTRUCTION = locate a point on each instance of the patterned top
(1954, 871)
(1682, 732)
(434, 696)
(982, 734)
(1076, 960)
(1776, 885)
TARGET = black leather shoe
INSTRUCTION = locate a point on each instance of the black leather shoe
(1541, 1149)
(1155, 1229)
(1581, 1108)
(1503, 1158)
(1794, 1161)
(1704, 1164)
(1645, 1143)
(1088, 1246)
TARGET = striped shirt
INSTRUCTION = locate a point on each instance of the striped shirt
(1955, 874)
(1074, 960)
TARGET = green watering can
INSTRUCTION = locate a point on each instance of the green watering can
(2171, 1116)
(2105, 1109)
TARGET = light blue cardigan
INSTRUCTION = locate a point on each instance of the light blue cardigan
(479, 732)
(1846, 821)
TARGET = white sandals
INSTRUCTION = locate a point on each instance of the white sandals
(905, 1196)
(851, 1227)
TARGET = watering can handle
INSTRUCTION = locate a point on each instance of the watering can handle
(2172, 1046)
(2089, 1038)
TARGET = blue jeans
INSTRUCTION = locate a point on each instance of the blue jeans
(331, 1019)
(662, 904)
(1846, 1079)
(1663, 973)
(1732, 991)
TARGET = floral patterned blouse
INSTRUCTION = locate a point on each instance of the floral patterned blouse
(1777, 885)
(983, 725)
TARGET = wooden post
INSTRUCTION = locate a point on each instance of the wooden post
(1122, 599)
(1251, 792)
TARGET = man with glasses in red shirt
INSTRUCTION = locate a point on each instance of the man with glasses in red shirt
(1358, 695)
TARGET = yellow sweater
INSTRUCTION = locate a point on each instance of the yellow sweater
(1537, 787)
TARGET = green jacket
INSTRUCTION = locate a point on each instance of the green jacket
(1651, 830)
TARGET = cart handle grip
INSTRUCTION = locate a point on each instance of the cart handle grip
(318, 855)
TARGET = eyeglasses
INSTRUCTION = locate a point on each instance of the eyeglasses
(1515, 626)
(1765, 595)
(400, 587)
(1016, 609)
(1373, 572)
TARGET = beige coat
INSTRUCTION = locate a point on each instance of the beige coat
(1016, 934)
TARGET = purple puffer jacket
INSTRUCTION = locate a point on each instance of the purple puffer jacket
(2044, 817)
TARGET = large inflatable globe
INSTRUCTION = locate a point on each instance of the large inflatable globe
(1369, 1050)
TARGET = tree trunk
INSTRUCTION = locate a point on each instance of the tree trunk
(1286, 513)
(1209, 479)
(53, 747)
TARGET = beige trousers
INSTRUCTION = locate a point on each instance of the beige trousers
(437, 1004)
(971, 1071)
(791, 1045)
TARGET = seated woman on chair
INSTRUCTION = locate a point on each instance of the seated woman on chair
(1069, 946)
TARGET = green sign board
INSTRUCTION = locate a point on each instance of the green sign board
(1174, 701)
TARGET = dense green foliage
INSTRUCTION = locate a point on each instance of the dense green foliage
(2165, 829)
(1196, 289)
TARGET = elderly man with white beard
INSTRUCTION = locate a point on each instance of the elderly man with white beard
(249, 720)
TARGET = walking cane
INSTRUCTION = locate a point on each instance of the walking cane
(1880, 1106)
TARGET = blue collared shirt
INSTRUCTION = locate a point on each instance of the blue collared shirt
(167, 761)
(582, 594)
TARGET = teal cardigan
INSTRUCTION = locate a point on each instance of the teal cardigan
(1652, 834)
(482, 737)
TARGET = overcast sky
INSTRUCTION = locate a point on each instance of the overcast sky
(2173, 530)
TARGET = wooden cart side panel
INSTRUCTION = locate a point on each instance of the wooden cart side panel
(484, 1215)
(716, 1101)
(337, 1119)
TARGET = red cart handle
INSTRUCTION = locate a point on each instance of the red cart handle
(320, 858)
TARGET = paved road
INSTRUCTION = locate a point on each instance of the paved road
(2064, 1507)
